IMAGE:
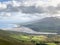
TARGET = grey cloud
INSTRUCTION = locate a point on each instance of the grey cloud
(51, 10)
(10, 8)
(58, 7)
(24, 9)
(31, 9)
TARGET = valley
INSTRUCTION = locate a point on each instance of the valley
(17, 38)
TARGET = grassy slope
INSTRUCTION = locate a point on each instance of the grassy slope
(10, 38)
(5, 39)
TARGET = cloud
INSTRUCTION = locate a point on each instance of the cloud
(31, 9)
(2, 6)
(31, 6)
(28, 10)
(8, 14)
(51, 10)
(5, 14)
(58, 7)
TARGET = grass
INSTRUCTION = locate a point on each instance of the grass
(23, 39)
(51, 44)
(43, 40)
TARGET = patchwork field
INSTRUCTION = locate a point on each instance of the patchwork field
(15, 38)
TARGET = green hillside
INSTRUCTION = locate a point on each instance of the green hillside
(16, 38)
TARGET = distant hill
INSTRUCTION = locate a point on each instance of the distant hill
(48, 24)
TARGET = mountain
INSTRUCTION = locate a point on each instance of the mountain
(48, 24)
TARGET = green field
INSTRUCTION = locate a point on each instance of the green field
(15, 38)
(38, 40)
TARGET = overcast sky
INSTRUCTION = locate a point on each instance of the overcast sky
(28, 10)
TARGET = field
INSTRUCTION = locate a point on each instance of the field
(37, 40)
(15, 38)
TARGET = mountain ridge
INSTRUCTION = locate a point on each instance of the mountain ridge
(46, 24)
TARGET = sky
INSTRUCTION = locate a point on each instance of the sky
(13, 11)
(3, 0)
